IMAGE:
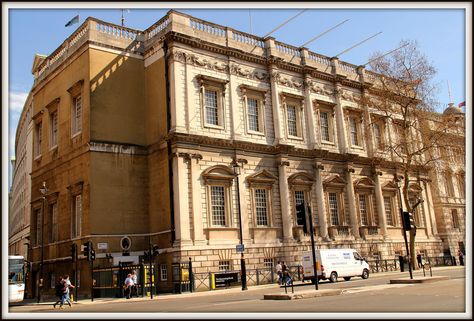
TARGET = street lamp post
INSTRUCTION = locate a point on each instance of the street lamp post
(403, 229)
(237, 169)
(43, 191)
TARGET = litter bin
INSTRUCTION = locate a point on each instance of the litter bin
(403, 263)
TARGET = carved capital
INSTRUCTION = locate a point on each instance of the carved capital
(283, 163)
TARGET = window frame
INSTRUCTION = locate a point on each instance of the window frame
(297, 102)
(38, 139)
(219, 175)
(54, 225)
(258, 94)
(76, 94)
(163, 272)
(326, 108)
(208, 83)
(76, 220)
(455, 218)
(392, 216)
(54, 129)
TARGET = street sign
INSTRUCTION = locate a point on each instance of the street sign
(102, 246)
(240, 248)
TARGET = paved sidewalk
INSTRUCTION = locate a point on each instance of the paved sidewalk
(298, 287)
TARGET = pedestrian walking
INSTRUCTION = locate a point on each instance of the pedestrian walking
(128, 286)
(285, 272)
(58, 290)
(419, 259)
(66, 286)
(134, 286)
(279, 272)
(461, 257)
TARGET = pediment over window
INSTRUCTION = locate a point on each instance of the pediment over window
(218, 173)
(263, 177)
(334, 180)
(301, 178)
(415, 188)
(364, 182)
(390, 186)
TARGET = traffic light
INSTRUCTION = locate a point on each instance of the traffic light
(155, 250)
(73, 252)
(408, 221)
(301, 216)
(92, 255)
(87, 247)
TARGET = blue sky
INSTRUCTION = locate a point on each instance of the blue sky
(440, 34)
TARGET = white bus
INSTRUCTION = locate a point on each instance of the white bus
(16, 278)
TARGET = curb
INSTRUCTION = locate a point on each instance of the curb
(302, 295)
(419, 280)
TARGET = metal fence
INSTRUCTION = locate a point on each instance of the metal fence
(203, 281)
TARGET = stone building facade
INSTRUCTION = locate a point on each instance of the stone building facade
(19, 210)
(138, 135)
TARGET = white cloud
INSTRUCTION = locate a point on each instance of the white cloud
(16, 101)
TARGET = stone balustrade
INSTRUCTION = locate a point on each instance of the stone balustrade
(136, 41)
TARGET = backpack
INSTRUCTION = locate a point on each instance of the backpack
(59, 288)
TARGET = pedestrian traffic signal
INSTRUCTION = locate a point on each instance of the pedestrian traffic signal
(92, 255)
(301, 216)
(408, 221)
(73, 252)
(155, 250)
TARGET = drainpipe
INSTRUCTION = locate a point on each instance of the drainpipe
(170, 156)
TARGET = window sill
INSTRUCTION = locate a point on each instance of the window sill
(263, 228)
(53, 148)
(327, 142)
(357, 147)
(295, 138)
(251, 132)
(76, 134)
(38, 157)
(221, 228)
(214, 126)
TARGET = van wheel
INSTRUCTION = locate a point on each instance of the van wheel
(365, 274)
(333, 277)
(347, 278)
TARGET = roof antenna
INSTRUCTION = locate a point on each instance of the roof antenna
(357, 44)
(322, 34)
(250, 16)
(449, 93)
(380, 57)
(284, 23)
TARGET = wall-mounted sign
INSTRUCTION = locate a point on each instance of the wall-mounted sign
(239, 248)
(102, 246)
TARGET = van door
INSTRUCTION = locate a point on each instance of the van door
(358, 265)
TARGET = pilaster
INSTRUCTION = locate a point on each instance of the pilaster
(351, 199)
(321, 205)
(380, 203)
(196, 186)
(340, 123)
(282, 162)
(180, 199)
(309, 112)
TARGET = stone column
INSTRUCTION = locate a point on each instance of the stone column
(309, 112)
(340, 123)
(351, 200)
(180, 199)
(277, 125)
(380, 204)
(243, 201)
(177, 104)
(429, 206)
(236, 129)
(287, 227)
(323, 220)
(196, 186)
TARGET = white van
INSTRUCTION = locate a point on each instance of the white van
(334, 263)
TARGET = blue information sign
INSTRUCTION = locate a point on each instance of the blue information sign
(240, 248)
